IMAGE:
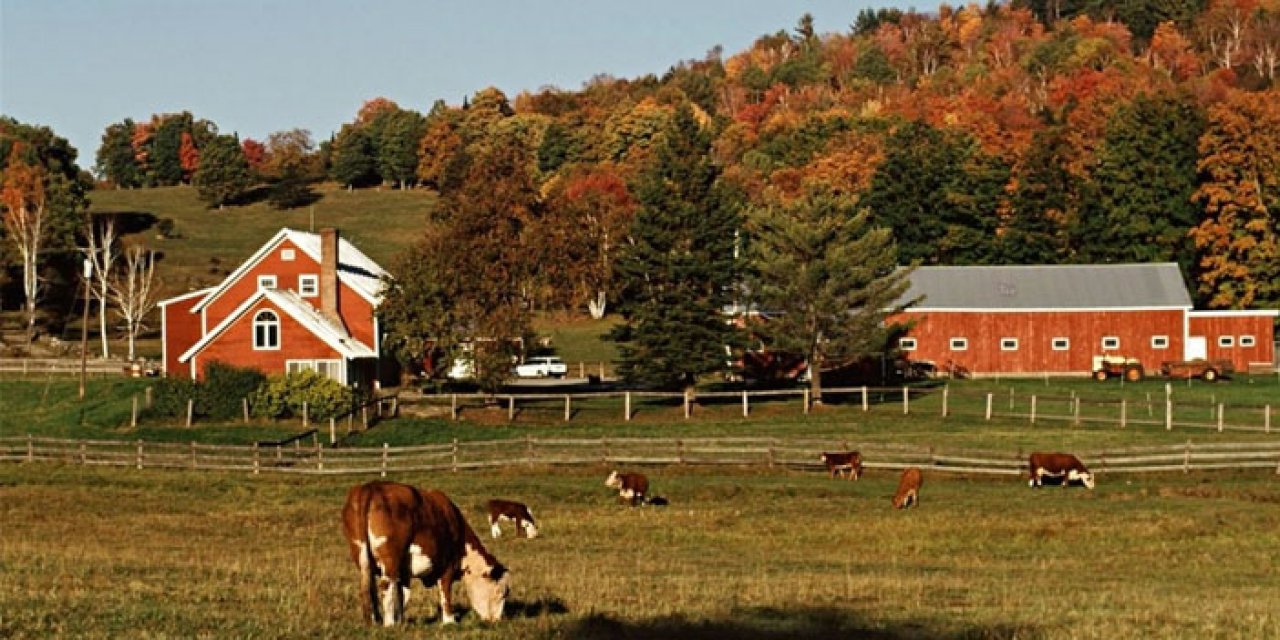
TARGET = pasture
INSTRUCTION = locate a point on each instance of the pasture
(740, 553)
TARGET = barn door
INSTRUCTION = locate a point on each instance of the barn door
(1197, 348)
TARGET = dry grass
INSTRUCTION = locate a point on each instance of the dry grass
(107, 553)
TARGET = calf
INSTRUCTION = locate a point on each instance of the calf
(396, 533)
(632, 487)
(908, 493)
(1058, 465)
(500, 510)
(841, 461)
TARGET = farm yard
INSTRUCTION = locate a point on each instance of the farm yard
(742, 551)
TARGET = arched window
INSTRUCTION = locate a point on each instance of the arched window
(266, 330)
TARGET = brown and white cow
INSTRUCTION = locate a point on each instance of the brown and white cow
(842, 461)
(1058, 465)
(396, 533)
(508, 510)
(908, 492)
(632, 487)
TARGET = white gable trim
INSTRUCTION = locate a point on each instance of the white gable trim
(348, 348)
(185, 296)
(921, 309)
(1258, 313)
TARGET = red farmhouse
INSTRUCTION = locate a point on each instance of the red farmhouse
(1056, 318)
(303, 301)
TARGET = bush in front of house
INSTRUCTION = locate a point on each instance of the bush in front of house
(170, 395)
(224, 389)
(283, 396)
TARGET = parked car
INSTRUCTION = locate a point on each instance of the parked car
(542, 367)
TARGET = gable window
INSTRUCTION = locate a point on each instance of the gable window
(1060, 344)
(266, 282)
(309, 286)
(1159, 342)
(1110, 343)
(266, 331)
(1008, 344)
(959, 344)
(1226, 341)
(907, 344)
(287, 255)
(1247, 341)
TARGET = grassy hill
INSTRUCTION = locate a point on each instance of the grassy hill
(210, 242)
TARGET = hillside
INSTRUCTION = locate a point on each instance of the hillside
(210, 242)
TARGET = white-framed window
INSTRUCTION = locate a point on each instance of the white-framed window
(1247, 341)
(959, 344)
(288, 255)
(1008, 344)
(1110, 343)
(907, 344)
(1226, 341)
(331, 369)
(266, 331)
(266, 282)
(309, 285)
(1159, 342)
(1060, 344)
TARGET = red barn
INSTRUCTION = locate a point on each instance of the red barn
(303, 301)
(1056, 318)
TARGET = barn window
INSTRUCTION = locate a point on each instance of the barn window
(959, 344)
(287, 255)
(1060, 344)
(907, 344)
(1247, 341)
(309, 286)
(1159, 342)
(266, 282)
(1008, 344)
(1110, 343)
(266, 331)
(1226, 341)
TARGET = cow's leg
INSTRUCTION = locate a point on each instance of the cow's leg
(494, 529)
(388, 552)
(1035, 478)
(446, 598)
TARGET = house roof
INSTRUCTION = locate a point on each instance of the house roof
(298, 309)
(355, 269)
(1049, 287)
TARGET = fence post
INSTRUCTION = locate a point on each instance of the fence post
(1168, 414)
(680, 451)
(453, 406)
(805, 396)
(194, 463)
(511, 408)
(1033, 408)
(772, 443)
(989, 407)
(906, 401)
(1219, 417)
(386, 450)
(746, 409)
(946, 395)
(84, 457)
(139, 454)
(256, 463)
(364, 416)
(602, 370)
(333, 430)
(306, 414)
(133, 416)
(191, 407)
(568, 408)
(146, 397)
(687, 411)
(244, 402)
(1151, 409)
(1075, 412)
(626, 407)
(455, 455)
(1266, 419)
(1186, 458)
(582, 369)
(1124, 411)
(319, 457)
(865, 405)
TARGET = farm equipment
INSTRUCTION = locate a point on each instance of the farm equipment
(1117, 367)
(1207, 370)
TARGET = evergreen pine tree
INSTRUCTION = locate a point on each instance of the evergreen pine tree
(223, 175)
(116, 158)
(352, 162)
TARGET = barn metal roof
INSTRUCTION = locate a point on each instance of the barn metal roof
(1050, 287)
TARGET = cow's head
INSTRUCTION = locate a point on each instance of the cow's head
(1085, 477)
(530, 527)
(488, 584)
(613, 480)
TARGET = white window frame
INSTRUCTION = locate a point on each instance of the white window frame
(293, 366)
(1008, 344)
(288, 255)
(270, 327)
(1065, 344)
(907, 344)
(1110, 343)
(309, 285)
(1247, 341)
(267, 282)
(1159, 342)
(1226, 342)
(958, 344)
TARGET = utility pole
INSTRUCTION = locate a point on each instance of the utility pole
(84, 324)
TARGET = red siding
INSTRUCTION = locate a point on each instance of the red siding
(1260, 327)
(286, 273)
(181, 331)
(1035, 331)
(235, 345)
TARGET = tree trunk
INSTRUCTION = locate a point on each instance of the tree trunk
(102, 322)
(596, 307)
(815, 378)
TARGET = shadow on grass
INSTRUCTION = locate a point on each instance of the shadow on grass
(776, 624)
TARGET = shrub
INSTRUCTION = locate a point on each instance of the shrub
(224, 389)
(170, 396)
(283, 396)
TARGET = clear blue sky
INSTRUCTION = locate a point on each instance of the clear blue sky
(258, 66)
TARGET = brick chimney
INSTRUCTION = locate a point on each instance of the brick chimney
(329, 277)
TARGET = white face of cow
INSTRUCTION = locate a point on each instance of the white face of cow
(612, 480)
(530, 529)
(487, 586)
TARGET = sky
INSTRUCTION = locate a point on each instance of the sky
(258, 66)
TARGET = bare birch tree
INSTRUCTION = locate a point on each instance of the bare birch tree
(103, 251)
(23, 197)
(135, 291)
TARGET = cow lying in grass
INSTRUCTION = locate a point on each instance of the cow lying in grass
(396, 533)
(908, 492)
(1057, 465)
(507, 510)
(839, 462)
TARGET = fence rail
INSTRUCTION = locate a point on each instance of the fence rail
(780, 453)
(61, 366)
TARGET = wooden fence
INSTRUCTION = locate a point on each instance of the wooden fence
(300, 457)
(60, 366)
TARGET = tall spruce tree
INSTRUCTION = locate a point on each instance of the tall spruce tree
(116, 159)
(1045, 205)
(223, 175)
(353, 162)
(829, 276)
(678, 271)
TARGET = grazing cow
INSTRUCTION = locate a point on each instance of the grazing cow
(500, 510)
(632, 487)
(396, 533)
(841, 461)
(908, 493)
(1058, 465)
